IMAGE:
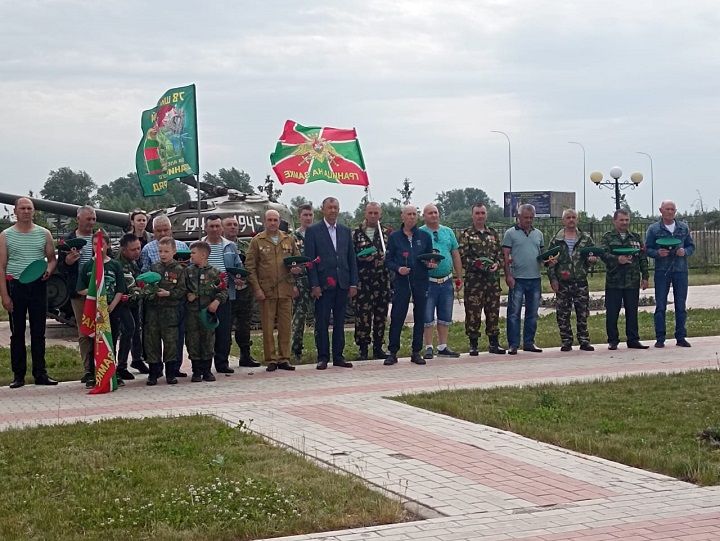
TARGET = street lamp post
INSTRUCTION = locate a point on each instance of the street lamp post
(509, 158)
(652, 184)
(635, 179)
(584, 172)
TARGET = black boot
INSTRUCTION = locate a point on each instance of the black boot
(246, 358)
(155, 370)
(495, 345)
(473, 347)
(197, 372)
(379, 352)
(170, 371)
(363, 356)
(207, 371)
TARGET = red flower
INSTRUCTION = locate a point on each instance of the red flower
(565, 275)
(331, 281)
(9, 277)
(223, 280)
(309, 264)
(406, 254)
(141, 284)
(124, 298)
(478, 264)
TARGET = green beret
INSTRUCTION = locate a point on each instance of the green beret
(547, 254)
(293, 260)
(238, 271)
(209, 320)
(365, 252)
(592, 250)
(432, 256)
(182, 254)
(626, 250)
(33, 271)
(148, 277)
(668, 242)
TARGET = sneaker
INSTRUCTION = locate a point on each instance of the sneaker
(416, 358)
(566, 347)
(447, 352)
(659, 344)
(428, 353)
(683, 343)
(587, 347)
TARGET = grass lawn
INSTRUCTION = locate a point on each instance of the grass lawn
(650, 422)
(181, 478)
(64, 363)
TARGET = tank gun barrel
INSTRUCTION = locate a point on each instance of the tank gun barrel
(110, 217)
(213, 191)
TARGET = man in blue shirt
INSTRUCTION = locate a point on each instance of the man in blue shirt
(671, 268)
(522, 244)
(440, 295)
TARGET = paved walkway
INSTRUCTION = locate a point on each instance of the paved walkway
(468, 481)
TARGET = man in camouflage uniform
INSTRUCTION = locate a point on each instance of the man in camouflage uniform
(625, 276)
(243, 305)
(568, 279)
(371, 303)
(130, 339)
(303, 304)
(482, 281)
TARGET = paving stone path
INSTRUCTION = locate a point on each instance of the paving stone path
(469, 481)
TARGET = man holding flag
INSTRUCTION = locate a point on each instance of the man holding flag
(98, 285)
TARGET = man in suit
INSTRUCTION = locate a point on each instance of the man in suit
(333, 280)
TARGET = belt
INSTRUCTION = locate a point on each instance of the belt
(440, 280)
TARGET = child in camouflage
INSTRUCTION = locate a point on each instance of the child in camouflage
(206, 290)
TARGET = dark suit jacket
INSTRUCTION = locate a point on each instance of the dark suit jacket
(340, 265)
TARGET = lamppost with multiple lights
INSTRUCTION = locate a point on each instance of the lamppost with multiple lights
(635, 179)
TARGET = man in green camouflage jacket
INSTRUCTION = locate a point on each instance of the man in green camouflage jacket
(626, 275)
(373, 298)
(303, 304)
(482, 279)
(568, 279)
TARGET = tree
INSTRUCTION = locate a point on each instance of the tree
(296, 202)
(405, 193)
(124, 194)
(269, 189)
(459, 199)
(67, 186)
(230, 178)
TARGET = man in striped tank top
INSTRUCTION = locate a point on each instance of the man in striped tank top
(223, 255)
(20, 245)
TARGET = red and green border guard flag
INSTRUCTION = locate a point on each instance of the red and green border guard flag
(169, 145)
(306, 154)
(96, 323)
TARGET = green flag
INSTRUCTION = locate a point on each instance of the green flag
(169, 145)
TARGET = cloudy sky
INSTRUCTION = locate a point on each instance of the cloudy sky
(423, 81)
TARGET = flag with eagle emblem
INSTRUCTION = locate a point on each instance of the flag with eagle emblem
(306, 154)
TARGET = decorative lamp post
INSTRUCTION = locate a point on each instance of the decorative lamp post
(635, 179)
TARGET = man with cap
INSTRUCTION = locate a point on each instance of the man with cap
(522, 244)
(243, 305)
(371, 302)
(21, 246)
(670, 243)
(626, 274)
(271, 278)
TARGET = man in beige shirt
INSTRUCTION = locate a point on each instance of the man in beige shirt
(273, 284)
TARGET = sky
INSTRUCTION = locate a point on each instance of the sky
(424, 82)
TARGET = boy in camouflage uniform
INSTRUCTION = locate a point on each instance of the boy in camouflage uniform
(482, 282)
(625, 276)
(371, 303)
(303, 304)
(162, 314)
(206, 288)
(568, 279)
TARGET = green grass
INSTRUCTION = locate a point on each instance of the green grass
(64, 363)
(182, 478)
(649, 422)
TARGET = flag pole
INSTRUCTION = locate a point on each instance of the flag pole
(382, 237)
(197, 154)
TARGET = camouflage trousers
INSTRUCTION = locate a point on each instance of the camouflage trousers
(481, 295)
(371, 310)
(571, 294)
(303, 309)
(200, 341)
(161, 333)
